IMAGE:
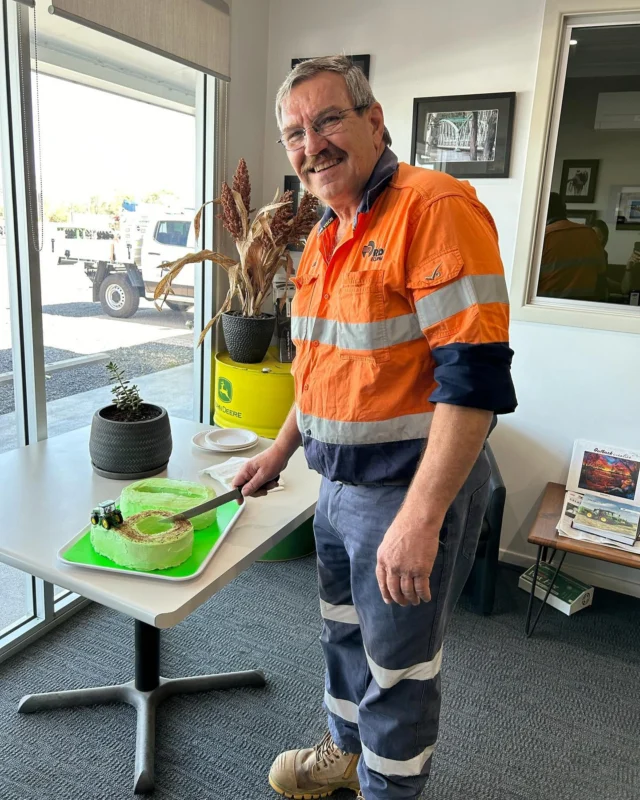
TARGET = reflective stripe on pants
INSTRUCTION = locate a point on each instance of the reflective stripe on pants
(382, 687)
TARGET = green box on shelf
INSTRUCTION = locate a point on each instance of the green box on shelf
(567, 594)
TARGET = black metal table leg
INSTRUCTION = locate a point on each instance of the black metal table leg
(147, 658)
(144, 693)
(529, 629)
(533, 590)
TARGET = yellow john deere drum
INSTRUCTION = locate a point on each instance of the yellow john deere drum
(253, 396)
(259, 397)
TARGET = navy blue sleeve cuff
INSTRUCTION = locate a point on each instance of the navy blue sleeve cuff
(476, 376)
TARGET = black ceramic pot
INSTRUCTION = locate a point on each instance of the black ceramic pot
(247, 338)
(129, 450)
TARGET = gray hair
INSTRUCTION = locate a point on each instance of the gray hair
(358, 86)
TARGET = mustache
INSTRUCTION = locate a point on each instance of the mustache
(326, 155)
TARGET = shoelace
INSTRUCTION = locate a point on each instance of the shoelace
(327, 751)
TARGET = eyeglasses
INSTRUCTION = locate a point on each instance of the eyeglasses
(325, 125)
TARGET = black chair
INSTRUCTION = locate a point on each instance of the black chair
(481, 585)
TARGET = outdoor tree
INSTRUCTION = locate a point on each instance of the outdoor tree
(157, 197)
(60, 213)
(98, 204)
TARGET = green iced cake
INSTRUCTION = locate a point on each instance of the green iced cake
(163, 494)
(146, 541)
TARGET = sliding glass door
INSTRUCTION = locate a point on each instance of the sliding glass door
(108, 150)
(16, 599)
(117, 158)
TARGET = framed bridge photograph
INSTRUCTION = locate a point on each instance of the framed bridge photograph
(468, 136)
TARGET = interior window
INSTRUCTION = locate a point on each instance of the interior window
(591, 248)
(172, 232)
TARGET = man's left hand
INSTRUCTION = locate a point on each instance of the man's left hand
(405, 561)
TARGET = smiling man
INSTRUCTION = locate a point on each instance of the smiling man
(401, 329)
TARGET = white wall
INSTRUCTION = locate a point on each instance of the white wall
(424, 49)
(248, 88)
(618, 152)
(418, 49)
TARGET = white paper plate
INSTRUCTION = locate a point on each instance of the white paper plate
(229, 450)
(230, 438)
(199, 441)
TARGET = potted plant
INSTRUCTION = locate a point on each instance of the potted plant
(129, 438)
(262, 250)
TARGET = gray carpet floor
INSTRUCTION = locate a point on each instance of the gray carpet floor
(556, 717)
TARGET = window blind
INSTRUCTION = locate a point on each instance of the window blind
(192, 32)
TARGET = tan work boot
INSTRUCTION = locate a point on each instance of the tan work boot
(314, 772)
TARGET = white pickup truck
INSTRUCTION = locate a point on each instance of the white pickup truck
(134, 263)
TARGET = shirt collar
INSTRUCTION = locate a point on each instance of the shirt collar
(378, 181)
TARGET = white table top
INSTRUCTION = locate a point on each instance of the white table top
(47, 492)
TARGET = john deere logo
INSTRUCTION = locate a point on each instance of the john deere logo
(375, 253)
(225, 390)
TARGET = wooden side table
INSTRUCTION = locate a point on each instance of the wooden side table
(544, 534)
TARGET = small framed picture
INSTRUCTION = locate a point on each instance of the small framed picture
(628, 209)
(581, 216)
(292, 183)
(468, 136)
(363, 62)
(579, 180)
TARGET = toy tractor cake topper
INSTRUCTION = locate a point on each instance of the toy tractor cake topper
(107, 515)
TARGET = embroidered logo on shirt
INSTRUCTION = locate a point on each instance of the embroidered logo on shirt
(374, 252)
(435, 274)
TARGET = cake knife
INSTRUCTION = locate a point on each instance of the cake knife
(220, 500)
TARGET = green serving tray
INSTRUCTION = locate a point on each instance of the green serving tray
(79, 551)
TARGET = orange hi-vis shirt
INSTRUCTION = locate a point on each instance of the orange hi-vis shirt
(572, 260)
(410, 310)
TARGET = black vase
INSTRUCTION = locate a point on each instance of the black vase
(247, 338)
(130, 450)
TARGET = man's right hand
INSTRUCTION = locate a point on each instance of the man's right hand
(261, 473)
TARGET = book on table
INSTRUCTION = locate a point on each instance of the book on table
(602, 502)
(605, 471)
(609, 519)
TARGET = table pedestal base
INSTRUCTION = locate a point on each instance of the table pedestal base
(145, 694)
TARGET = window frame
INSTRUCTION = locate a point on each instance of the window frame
(48, 608)
(165, 222)
(560, 17)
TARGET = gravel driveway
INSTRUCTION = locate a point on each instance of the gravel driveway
(138, 360)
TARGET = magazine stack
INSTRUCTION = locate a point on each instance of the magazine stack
(602, 502)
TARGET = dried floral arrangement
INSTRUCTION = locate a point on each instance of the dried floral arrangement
(261, 244)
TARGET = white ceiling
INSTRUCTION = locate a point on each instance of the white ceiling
(72, 51)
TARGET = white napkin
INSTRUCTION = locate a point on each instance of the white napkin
(225, 473)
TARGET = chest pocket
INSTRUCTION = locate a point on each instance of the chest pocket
(362, 330)
(302, 306)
